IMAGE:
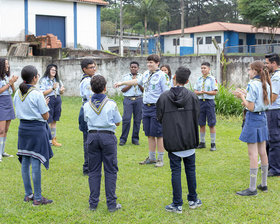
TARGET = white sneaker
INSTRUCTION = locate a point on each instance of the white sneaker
(6, 155)
(159, 163)
(195, 204)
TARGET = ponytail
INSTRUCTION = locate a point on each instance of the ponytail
(27, 75)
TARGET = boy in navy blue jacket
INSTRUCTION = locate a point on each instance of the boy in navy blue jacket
(178, 111)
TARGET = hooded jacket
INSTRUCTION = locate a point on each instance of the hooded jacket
(178, 111)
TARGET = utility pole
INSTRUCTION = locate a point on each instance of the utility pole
(182, 17)
(121, 28)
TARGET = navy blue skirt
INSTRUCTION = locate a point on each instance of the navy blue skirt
(6, 108)
(255, 128)
(34, 140)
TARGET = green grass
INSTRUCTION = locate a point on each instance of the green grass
(143, 191)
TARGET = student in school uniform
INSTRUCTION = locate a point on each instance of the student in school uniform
(255, 131)
(6, 104)
(167, 70)
(89, 69)
(52, 87)
(155, 82)
(102, 117)
(33, 134)
(206, 88)
(132, 104)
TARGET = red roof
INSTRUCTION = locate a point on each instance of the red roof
(98, 2)
(222, 26)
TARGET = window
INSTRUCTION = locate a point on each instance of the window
(174, 42)
(208, 40)
(199, 40)
(218, 39)
(264, 41)
(259, 41)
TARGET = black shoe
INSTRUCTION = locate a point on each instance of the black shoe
(118, 206)
(92, 208)
(213, 147)
(270, 174)
(135, 142)
(247, 192)
(201, 145)
(262, 188)
(122, 143)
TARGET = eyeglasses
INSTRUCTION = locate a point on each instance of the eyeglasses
(54, 70)
(91, 67)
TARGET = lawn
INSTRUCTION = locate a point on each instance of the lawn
(143, 191)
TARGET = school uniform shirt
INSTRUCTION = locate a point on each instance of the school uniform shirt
(154, 85)
(255, 94)
(101, 113)
(4, 82)
(85, 88)
(46, 83)
(31, 105)
(207, 84)
(275, 82)
(134, 90)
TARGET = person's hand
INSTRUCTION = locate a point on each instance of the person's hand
(13, 79)
(47, 100)
(117, 84)
(62, 89)
(55, 85)
(239, 93)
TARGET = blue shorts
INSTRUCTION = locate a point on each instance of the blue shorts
(207, 110)
(255, 128)
(151, 126)
(55, 108)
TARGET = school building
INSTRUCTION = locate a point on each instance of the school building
(198, 39)
(74, 22)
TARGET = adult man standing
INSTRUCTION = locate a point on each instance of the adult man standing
(273, 115)
(132, 104)
(155, 82)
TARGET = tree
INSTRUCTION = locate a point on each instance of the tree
(261, 12)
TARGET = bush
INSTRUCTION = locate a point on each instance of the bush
(226, 103)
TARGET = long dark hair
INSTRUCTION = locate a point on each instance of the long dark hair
(3, 71)
(168, 68)
(260, 68)
(27, 75)
(47, 72)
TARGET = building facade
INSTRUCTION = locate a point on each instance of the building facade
(75, 23)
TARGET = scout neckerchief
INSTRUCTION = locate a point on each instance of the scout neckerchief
(84, 76)
(203, 84)
(53, 81)
(97, 102)
(135, 86)
(257, 78)
(149, 79)
(30, 89)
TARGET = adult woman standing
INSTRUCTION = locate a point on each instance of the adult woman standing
(52, 87)
(6, 104)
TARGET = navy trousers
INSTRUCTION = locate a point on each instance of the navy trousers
(102, 148)
(131, 107)
(84, 129)
(175, 165)
(273, 122)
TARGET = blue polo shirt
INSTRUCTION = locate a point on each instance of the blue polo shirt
(275, 82)
(207, 84)
(47, 83)
(4, 82)
(134, 90)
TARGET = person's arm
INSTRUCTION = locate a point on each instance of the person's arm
(125, 89)
(132, 82)
(141, 88)
(118, 124)
(198, 92)
(250, 105)
(213, 92)
(10, 84)
(159, 111)
(45, 116)
(48, 91)
(274, 97)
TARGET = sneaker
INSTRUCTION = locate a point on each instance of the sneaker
(6, 155)
(148, 161)
(118, 207)
(43, 201)
(270, 174)
(159, 163)
(92, 208)
(195, 204)
(55, 143)
(135, 142)
(201, 145)
(247, 192)
(28, 198)
(173, 208)
(122, 143)
(213, 147)
(262, 188)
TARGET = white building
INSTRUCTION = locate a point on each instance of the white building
(75, 22)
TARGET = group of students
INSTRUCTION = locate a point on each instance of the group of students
(35, 108)
(171, 117)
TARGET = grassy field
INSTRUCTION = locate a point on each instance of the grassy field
(143, 191)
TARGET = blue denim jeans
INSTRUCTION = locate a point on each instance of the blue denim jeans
(36, 176)
(175, 165)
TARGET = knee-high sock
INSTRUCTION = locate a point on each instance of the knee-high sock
(264, 169)
(253, 178)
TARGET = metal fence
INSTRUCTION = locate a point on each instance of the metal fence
(253, 49)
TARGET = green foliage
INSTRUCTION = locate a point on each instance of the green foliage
(261, 12)
(108, 28)
(226, 103)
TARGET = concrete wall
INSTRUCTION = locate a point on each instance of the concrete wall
(113, 69)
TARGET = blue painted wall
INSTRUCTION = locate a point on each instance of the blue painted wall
(152, 45)
(98, 27)
(251, 40)
(75, 24)
(233, 40)
(26, 16)
(162, 44)
(188, 50)
(51, 24)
